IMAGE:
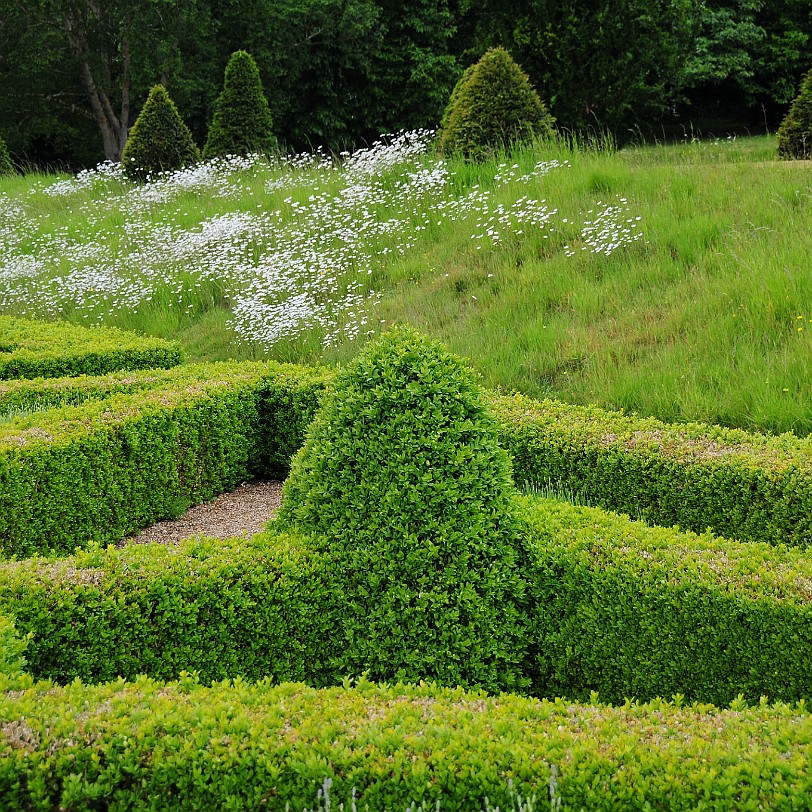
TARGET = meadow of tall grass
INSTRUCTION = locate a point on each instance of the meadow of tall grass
(672, 281)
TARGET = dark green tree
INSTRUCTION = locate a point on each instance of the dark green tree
(159, 140)
(6, 166)
(413, 69)
(452, 101)
(494, 106)
(242, 119)
(604, 65)
(795, 132)
(317, 57)
(402, 482)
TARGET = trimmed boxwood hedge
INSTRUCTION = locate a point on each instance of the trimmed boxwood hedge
(620, 608)
(748, 486)
(181, 746)
(629, 610)
(752, 487)
(33, 349)
(401, 479)
(149, 447)
(250, 607)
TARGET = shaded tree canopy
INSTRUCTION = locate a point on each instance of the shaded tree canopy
(73, 73)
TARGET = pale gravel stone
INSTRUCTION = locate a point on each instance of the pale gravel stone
(243, 512)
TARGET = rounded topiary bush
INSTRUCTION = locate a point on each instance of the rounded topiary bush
(402, 481)
(6, 166)
(242, 119)
(795, 132)
(159, 141)
(493, 106)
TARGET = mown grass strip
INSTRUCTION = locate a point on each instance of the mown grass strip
(39, 349)
(181, 746)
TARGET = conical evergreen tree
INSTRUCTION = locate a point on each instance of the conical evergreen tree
(6, 166)
(494, 106)
(242, 119)
(159, 141)
(403, 482)
(795, 132)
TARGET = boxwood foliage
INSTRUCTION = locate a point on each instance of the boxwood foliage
(181, 746)
(108, 459)
(616, 607)
(159, 141)
(629, 610)
(402, 480)
(39, 349)
(242, 119)
(752, 487)
(12, 649)
(493, 107)
(795, 132)
(252, 607)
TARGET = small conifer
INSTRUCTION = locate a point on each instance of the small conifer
(242, 119)
(795, 132)
(6, 166)
(402, 479)
(492, 107)
(159, 141)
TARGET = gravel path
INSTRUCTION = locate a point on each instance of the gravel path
(242, 512)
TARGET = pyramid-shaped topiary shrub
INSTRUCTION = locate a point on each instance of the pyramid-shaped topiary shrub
(795, 132)
(493, 106)
(159, 141)
(452, 101)
(6, 166)
(402, 481)
(242, 119)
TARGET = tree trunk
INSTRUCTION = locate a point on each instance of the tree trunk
(106, 121)
(113, 129)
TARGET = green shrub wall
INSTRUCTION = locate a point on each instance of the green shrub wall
(32, 349)
(629, 610)
(742, 485)
(180, 746)
(250, 607)
(746, 486)
(620, 608)
(143, 450)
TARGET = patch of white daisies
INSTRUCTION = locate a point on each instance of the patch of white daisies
(281, 269)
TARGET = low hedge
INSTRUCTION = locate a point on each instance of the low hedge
(620, 608)
(234, 745)
(141, 447)
(748, 486)
(629, 610)
(250, 607)
(39, 349)
(751, 487)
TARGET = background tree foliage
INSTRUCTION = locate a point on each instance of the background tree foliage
(74, 73)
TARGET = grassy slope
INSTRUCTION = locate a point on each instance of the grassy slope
(698, 321)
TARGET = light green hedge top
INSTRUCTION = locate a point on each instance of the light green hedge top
(45, 411)
(181, 746)
(749, 486)
(31, 349)
(600, 540)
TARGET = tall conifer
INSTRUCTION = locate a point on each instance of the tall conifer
(242, 119)
(159, 141)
